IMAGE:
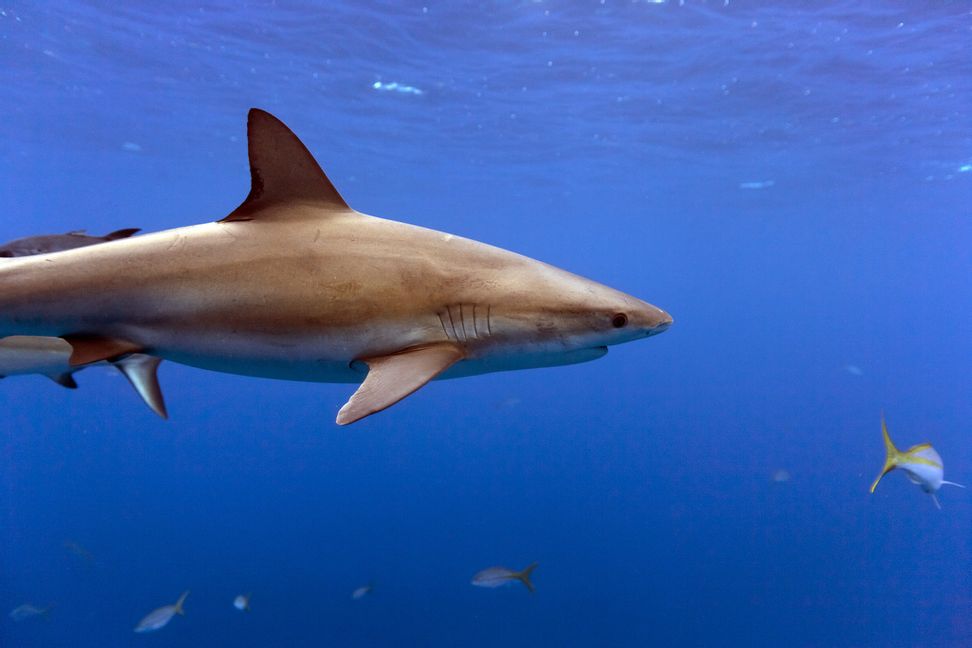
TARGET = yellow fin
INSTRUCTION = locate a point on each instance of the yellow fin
(892, 454)
(178, 604)
(911, 455)
(524, 576)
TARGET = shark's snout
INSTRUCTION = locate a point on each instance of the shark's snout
(652, 320)
(665, 320)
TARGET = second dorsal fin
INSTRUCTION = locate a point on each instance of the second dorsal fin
(282, 172)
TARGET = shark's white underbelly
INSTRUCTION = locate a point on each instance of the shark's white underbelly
(303, 364)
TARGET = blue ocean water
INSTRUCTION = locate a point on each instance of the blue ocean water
(792, 182)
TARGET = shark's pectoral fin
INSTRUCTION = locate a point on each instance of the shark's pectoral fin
(282, 172)
(91, 348)
(393, 377)
(142, 372)
(63, 379)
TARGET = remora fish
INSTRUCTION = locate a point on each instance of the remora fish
(921, 463)
(160, 617)
(50, 356)
(295, 284)
(500, 576)
(46, 243)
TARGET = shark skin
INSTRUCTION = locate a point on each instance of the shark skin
(294, 284)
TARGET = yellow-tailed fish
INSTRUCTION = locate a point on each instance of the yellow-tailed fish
(160, 617)
(921, 463)
(499, 576)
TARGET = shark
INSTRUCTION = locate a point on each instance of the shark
(56, 242)
(295, 284)
(51, 357)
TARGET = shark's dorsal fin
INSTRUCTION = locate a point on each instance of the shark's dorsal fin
(282, 172)
(120, 234)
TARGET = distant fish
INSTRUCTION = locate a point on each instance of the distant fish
(47, 243)
(362, 591)
(782, 475)
(853, 370)
(508, 403)
(242, 602)
(28, 611)
(160, 617)
(757, 184)
(921, 464)
(77, 550)
(499, 576)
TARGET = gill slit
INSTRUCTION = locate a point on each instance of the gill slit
(455, 334)
(462, 322)
(442, 322)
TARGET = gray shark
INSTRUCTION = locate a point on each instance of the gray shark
(45, 243)
(50, 356)
(295, 284)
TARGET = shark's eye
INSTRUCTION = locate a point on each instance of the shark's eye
(619, 321)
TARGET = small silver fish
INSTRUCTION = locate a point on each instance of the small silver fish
(160, 617)
(500, 576)
(28, 611)
(242, 602)
(853, 370)
(362, 591)
(47, 243)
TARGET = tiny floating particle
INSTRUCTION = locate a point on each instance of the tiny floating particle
(781, 475)
(757, 184)
(396, 87)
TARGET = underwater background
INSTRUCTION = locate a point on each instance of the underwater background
(791, 181)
